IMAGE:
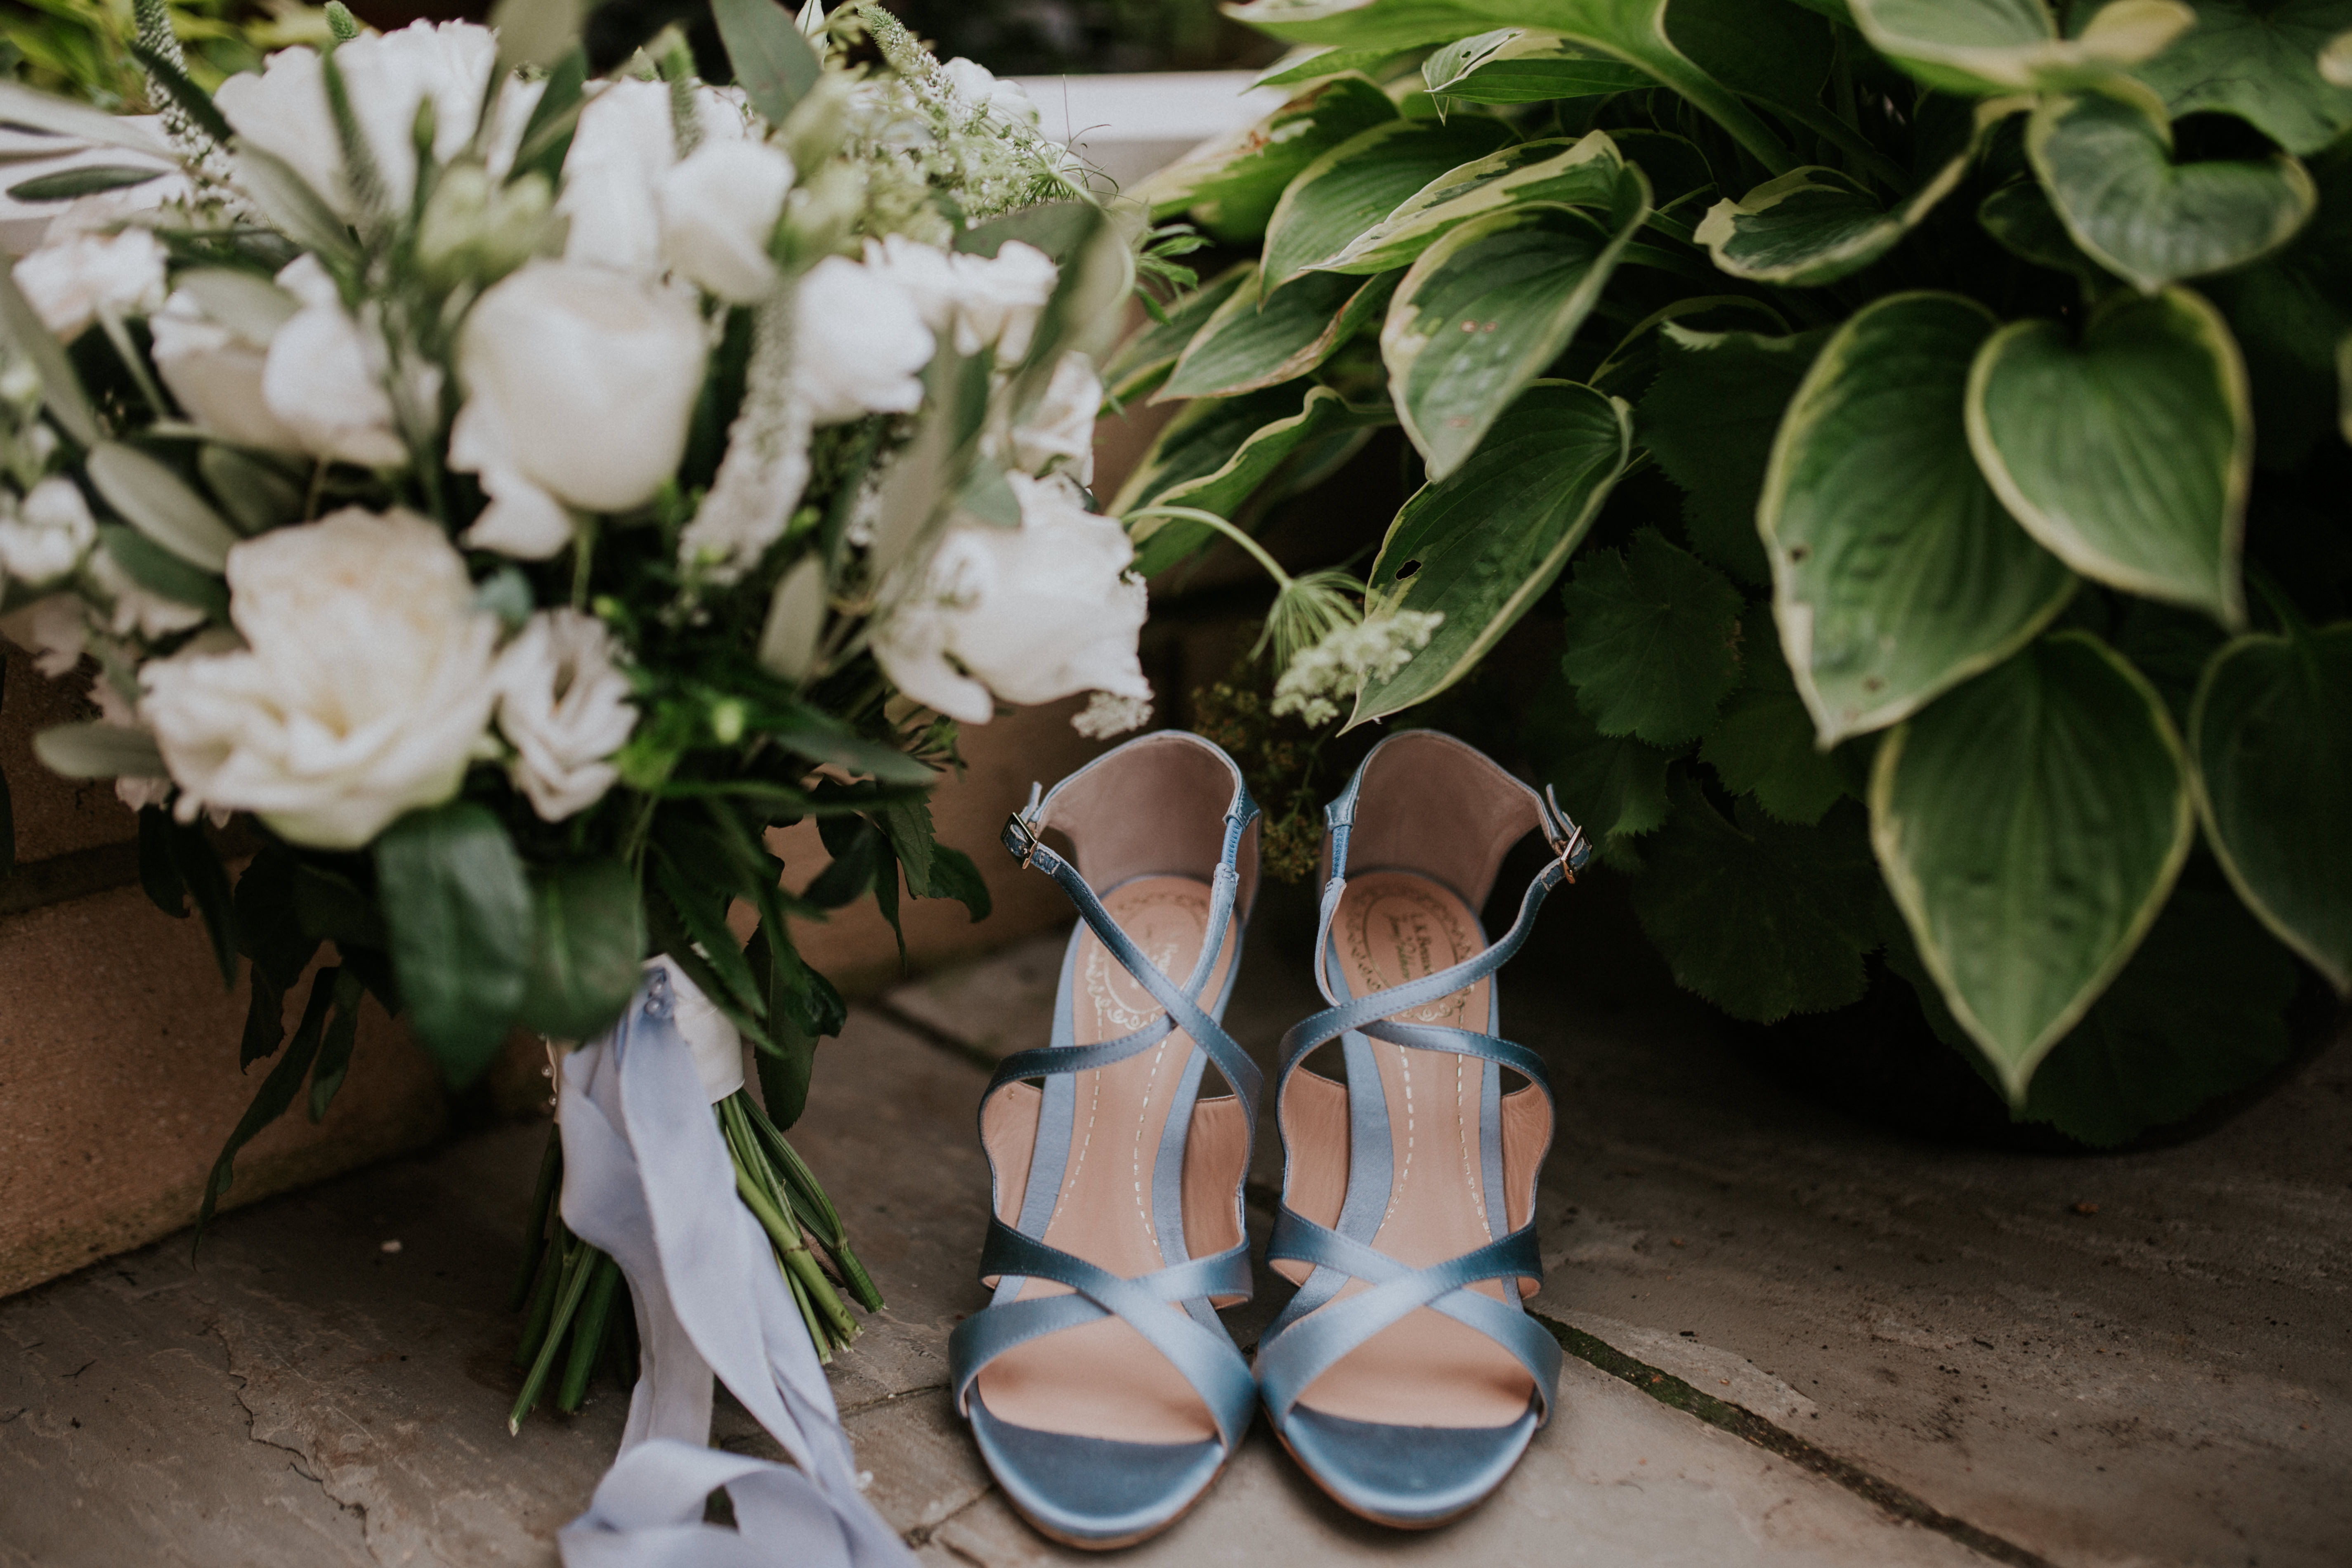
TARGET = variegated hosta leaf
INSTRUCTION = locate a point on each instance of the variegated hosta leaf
(2127, 454)
(1481, 546)
(2271, 740)
(2030, 826)
(2021, 218)
(1520, 65)
(1250, 343)
(1895, 573)
(1230, 186)
(2260, 61)
(1361, 24)
(1813, 225)
(1313, 65)
(2107, 164)
(1142, 362)
(1584, 173)
(1488, 308)
(1360, 181)
(2000, 45)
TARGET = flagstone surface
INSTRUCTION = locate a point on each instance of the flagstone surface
(1926, 1353)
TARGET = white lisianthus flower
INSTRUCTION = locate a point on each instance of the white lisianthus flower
(363, 691)
(976, 89)
(72, 282)
(564, 705)
(579, 385)
(215, 373)
(718, 210)
(979, 301)
(859, 344)
(1061, 429)
(46, 535)
(320, 380)
(1027, 614)
(133, 610)
(282, 109)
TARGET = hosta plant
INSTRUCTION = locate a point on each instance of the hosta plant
(1991, 627)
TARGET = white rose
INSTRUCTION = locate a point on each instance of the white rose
(859, 344)
(321, 380)
(363, 689)
(623, 142)
(985, 303)
(718, 210)
(133, 610)
(46, 535)
(1026, 614)
(283, 110)
(579, 385)
(1060, 428)
(70, 283)
(215, 373)
(564, 704)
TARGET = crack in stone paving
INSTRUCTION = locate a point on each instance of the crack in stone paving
(880, 1400)
(300, 1461)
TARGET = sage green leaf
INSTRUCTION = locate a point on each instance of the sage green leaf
(773, 63)
(2107, 166)
(86, 181)
(99, 750)
(588, 941)
(1652, 640)
(2259, 60)
(1250, 343)
(2127, 454)
(2197, 1013)
(1585, 173)
(1359, 181)
(61, 394)
(1762, 918)
(1521, 65)
(2030, 825)
(158, 571)
(160, 505)
(2271, 738)
(2000, 45)
(257, 493)
(1709, 419)
(1482, 544)
(2019, 215)
(458, 908)
(1309, 65)
(292, 208)
(1614, 786)
(1896, 574)
(1142, 362)
(1488, 308)
(1230, 185)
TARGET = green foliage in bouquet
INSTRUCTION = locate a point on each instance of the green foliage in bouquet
(1995, 615)
(83, 48)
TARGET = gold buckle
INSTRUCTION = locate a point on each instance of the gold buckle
(1567, 850)
(1030, 841)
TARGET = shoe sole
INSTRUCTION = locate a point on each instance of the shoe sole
(1440, 1522)
(1115, 1543)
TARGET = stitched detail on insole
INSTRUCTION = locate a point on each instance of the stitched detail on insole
(1399, 932)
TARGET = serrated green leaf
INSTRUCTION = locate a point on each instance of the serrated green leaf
(459, 909)
(1761, 743)
(2030, 825)
(1486, 310)
(1141, 364)
(1361, 180)
(1251, 343)
(773, 63)
(588, 943)
(2270, 736)
(1521, 65)
(1896, 573)
(2258, 59)
(1614, 786)
(2000, 45)
(1709, 419)
(1230, 186)
(2107, 163)
(1483, 544)
(2127, 454)
(1585, 173)
(1652, 640)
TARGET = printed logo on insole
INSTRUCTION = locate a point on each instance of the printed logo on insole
(1400, 932)
(1167, 926)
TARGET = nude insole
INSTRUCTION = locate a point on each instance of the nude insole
(1104, 1378)
(1425, 1368)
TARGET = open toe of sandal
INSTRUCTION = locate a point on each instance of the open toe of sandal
(1409, 1477)
(1098, 1492)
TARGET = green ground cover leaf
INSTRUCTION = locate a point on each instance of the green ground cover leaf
(1584, 173)
(458, 908)
(1761, 743)
(1359, 181)
(2258, 59)
(1652, 640)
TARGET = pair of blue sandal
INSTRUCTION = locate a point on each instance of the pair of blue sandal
(1404, 1375)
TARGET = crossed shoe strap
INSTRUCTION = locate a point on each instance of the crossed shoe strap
(1206, 1357)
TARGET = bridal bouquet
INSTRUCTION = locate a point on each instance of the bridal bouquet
(518, 492)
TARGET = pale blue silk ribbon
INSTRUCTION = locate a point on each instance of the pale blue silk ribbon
(647, 1178)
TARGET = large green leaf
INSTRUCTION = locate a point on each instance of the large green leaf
(1230, 185)
(2127, 454)
(2270, 736)
(1762, 918)
(773, 63)
(1519, 64)
(1312, 65)
(1778, 54)
(1896, 574)
(1584, 172)
(2107, 164)
(1761, 742)
(1652, 640)
(1486, 310)
(1359, 181)
(459, 911)
(1394, 25)
(1251, 342)
(2258, 59)
(1140, 364)
(1615, 787)
(2030, 826)
(588, 940)
(2000, 46)
(2019, 215)
(1480, 545)
(2288, 312)
(1709, 419)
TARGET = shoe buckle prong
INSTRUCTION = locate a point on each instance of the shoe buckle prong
(1030, 842)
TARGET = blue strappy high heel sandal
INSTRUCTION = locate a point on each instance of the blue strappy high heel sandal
(1404, 1376)
(1103, 1392)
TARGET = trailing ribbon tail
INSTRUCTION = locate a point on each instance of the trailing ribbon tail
(646, 1178)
